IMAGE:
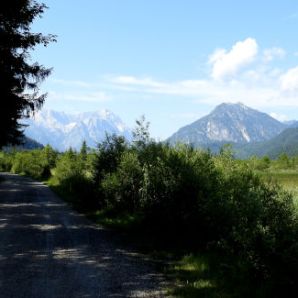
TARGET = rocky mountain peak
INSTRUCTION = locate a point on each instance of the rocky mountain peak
(229, 122)
(63, 130)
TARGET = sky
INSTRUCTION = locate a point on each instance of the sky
(170, 60)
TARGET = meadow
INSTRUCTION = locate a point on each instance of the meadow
(287, 178)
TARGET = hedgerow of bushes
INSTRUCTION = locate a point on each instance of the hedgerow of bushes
(187, 196)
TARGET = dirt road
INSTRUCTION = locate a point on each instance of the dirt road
(49, 250)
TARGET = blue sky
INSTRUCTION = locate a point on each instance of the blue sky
(172, 60)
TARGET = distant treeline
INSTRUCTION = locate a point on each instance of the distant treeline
(189, 197)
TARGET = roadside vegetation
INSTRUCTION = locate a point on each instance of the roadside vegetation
(229, 225)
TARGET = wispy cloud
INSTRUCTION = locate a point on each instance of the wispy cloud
(280, 117)
(186, 116)
(98, 96)
(208, 90)
(289, 80)
(131, 80)
(272, 53)
(73, 83)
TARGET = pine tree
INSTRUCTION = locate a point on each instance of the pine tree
(84, 151)
(19, 78)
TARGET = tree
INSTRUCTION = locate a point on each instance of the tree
(108, 156)
(84, 151)
(141, 135)
(19, 79)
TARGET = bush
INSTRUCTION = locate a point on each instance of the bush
(108, 156)
(6, 160)
(28, 163)
(122, 188)
(35, 163)
(257, 222)
(71, 176)
(174, 190)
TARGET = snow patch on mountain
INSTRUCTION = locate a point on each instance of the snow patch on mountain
(62, 130)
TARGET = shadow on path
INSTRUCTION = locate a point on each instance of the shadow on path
(49, 250)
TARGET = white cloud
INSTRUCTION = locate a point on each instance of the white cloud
(255, 93)
(96, 96)
(279, 117)
(131, 80)
(72, 83)
(77, 91)
(206, 90)
(149, 85)
(186, 116)
(228, 63)
(289, 80)
(272, 53)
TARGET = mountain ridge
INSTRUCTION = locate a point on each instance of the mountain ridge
(230, 123)
(285, 142)
(64, 130)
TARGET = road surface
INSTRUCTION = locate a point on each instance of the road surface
(49, 250)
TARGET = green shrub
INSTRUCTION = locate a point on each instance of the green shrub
(257, 222)
(108, 156)
(35, 163)
(71, 176)
(122, 188)
(174, 188)
(28, 163)
(6, 160)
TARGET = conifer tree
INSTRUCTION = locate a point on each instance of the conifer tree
(19, 77)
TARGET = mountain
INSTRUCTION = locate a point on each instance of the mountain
(26, 144)
(291, 123)
(229, 123)
(62, 130)
(285, 142)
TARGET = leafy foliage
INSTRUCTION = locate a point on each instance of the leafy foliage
(73, 177)
(37, 163)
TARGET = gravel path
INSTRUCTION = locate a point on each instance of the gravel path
(49, 250)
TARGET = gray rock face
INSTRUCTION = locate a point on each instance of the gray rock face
(62, 130)
(234, 123)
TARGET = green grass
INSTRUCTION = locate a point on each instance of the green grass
(119, 221)
(193, 277)
(288, 179)
(212, 276)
